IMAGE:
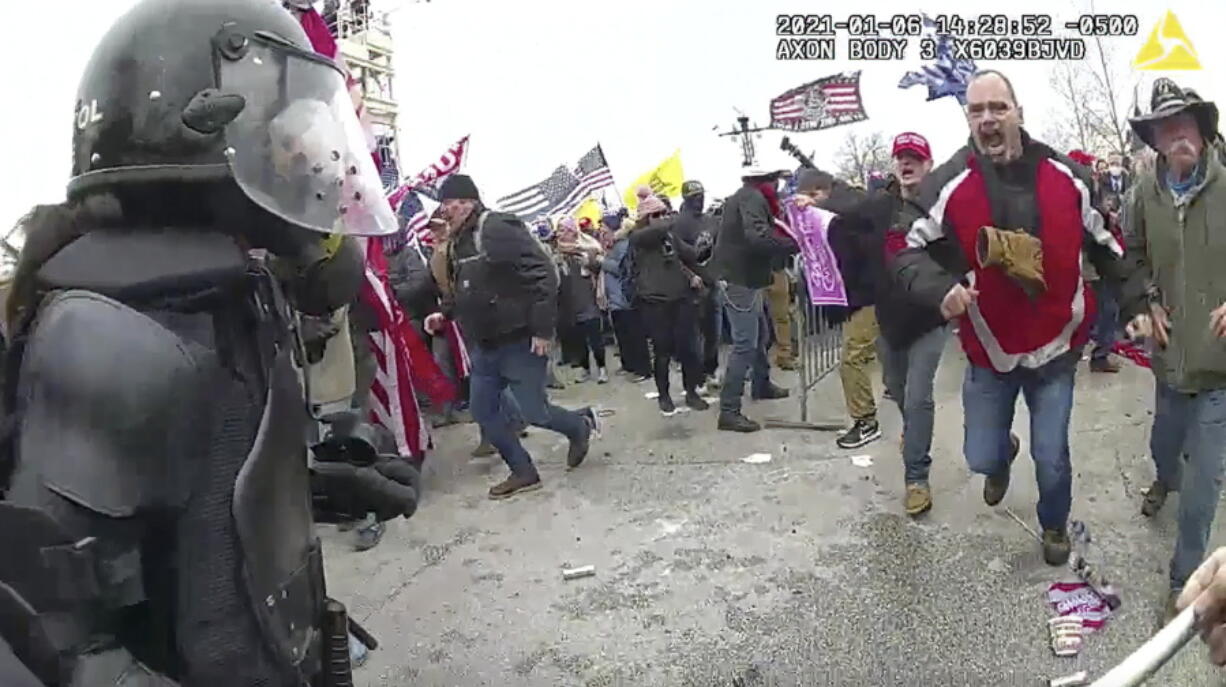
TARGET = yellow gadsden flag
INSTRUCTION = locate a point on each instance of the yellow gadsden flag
(665, 180)
(1168, 48)
(589, 209)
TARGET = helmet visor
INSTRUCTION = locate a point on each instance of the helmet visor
(297, 148)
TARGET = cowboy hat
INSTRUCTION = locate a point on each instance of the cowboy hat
(1168, 100)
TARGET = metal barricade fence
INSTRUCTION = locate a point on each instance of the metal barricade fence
(819, 343)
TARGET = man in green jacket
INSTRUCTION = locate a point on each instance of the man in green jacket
(1174, 293)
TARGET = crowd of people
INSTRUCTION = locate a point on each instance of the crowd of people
(1015, 248)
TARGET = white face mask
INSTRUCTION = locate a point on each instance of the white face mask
(1115, 170)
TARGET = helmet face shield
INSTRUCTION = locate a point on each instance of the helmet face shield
(297, 149)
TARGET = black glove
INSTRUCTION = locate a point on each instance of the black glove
(343, 491)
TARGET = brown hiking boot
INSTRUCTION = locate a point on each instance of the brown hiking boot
(996, 486)
(1155, 499)
(918, 500)
(1056, 546)
(512, 486)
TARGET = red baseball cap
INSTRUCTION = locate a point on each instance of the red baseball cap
(912, 142)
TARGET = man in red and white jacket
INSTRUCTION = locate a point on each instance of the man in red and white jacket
(1000, 250)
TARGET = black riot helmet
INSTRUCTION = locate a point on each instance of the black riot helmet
(230, 91)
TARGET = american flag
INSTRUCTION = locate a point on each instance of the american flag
(404, 362)
(593, 174)
(450, 162)
(542, 196)
(390, 171)
(947, 75)
(821, 104)
(416, 220)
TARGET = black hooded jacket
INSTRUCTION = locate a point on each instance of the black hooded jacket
(663, 263)
(858, 238)
(505, 286)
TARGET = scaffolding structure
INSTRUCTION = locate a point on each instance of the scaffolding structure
(364, 38)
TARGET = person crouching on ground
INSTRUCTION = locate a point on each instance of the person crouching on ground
(667, 275)
(503, 288)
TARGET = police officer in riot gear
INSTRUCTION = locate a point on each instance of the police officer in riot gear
(157, 492)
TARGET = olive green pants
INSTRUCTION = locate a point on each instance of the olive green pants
(860, 334)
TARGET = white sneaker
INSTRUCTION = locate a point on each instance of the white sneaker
(604, 377)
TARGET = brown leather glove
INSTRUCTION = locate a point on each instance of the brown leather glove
(1019, 254)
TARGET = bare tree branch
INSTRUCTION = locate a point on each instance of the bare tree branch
(1091, 102)
(861, 155)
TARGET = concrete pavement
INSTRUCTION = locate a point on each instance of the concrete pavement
(714, 572)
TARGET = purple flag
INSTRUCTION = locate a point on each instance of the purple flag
(808, 226)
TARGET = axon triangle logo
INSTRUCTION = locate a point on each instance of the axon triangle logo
(1167, 48)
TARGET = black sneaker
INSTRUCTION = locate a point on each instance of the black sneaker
(736, 422)
(696, 402)
(578, 449)
(666, 405)
(1056, 546)
(772, 393)
(864, 431)
(996, 486)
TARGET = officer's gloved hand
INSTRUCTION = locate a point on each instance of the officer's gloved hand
(1018, 253)
(344, 491)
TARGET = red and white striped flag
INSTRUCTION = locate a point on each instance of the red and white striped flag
(402, 357)
(450, 162)
(403, 360)
(459, 351)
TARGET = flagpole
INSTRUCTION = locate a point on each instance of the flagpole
(606, 161)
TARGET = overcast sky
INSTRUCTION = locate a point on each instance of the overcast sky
(538, 82)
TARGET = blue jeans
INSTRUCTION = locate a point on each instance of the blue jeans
(1106, 325)
(1192, 425)
(510, 409)
(746, 312)
(988, 400)
(910, 374)
(514, 367)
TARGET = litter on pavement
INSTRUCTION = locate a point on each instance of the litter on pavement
(1066, 634)
(576, 573)
(1078, 599)
(862, 461)
(1077, 679)
(757, 458)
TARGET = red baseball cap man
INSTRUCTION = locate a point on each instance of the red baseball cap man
(912, 161)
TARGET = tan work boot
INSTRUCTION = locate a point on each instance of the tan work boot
(918, 500)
